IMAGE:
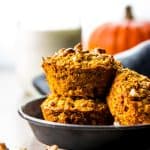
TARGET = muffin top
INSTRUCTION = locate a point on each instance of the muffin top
(78, 57)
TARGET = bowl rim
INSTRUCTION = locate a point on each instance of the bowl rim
(45, 123)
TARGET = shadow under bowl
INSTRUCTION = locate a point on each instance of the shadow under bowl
(84, 137)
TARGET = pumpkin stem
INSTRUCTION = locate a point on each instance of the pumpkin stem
(128, 13)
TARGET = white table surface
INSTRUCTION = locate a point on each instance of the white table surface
(14, 131)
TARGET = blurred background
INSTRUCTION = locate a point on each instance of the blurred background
(32, 29)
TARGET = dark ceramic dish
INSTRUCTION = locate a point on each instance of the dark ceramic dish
(84, 137)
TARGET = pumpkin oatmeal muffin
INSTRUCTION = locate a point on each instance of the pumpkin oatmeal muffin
(78, 72)
(129, 98)
(76, 111)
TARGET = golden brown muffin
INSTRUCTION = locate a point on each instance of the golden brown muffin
(78, 72)
(129, 98)
(76, 111)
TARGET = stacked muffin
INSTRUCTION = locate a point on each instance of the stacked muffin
(79, 81)
(91, 87)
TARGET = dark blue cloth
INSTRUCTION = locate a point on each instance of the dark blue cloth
(137, 58)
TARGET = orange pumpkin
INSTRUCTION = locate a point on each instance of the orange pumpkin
(120, 36)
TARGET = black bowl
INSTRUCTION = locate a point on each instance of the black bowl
(84, 137)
